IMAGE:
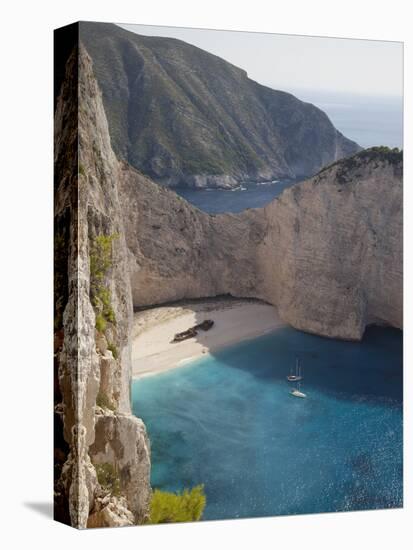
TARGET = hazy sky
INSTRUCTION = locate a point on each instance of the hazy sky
(294, 63)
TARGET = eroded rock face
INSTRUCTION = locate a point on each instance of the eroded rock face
(110, 512)
(122, 440)
(93, 350)
(327, 252)
(178, 252)
(332, 257)
(77, 361)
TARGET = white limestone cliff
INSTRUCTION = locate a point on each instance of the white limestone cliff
(327, 252)
(94, 360)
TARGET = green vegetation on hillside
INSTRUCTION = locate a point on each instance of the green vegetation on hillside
(171, 507)
(175, 110)
(388, 154)
(393, 156)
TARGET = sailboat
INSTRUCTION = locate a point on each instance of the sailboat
(296, 392)
(297, 376)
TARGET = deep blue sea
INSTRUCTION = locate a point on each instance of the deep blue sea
(229, 422)
(369, 121)
(249, 195)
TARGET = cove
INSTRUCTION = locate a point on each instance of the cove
(229, 422)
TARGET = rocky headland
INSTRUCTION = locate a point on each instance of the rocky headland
(185, 117)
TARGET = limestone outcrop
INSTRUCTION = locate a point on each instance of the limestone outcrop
(77, 365)
(121, 439)
(327, 252)
(102, 475)
(110, 512)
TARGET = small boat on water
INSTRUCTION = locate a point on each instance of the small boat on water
(296, 392)
(297, 376)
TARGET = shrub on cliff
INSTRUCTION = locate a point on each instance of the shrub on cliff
(102, 400)
(100, 263)
(100, 257)
(172, 507)
(108, 478)
(112, 347)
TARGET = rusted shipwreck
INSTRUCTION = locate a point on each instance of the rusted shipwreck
(193, 331)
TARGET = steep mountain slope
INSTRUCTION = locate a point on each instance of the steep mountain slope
(327, 252)
(186, 117)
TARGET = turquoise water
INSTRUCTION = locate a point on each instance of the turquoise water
(228, 421)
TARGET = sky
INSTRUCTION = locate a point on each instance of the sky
(300, 63)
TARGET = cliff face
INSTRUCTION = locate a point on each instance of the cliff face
(332, 257)
(327, 252)
(104, 464)
(183, 116)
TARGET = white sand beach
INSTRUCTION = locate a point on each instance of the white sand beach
(234, 321)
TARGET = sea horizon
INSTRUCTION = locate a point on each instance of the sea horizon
(369, 120)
